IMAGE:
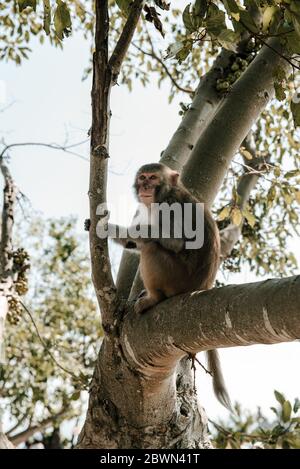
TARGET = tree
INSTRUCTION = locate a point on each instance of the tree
(147, 356)
(57, 320)
(142, 393)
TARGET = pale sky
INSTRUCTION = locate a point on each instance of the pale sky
(50, 98)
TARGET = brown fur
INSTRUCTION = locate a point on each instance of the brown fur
(167, 267)
(167, 272)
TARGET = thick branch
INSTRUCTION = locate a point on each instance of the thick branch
(201, 110)
(101, 268)
(154, 55)
(265, 312)
(212, 155)
(7, 223)
(125, 38)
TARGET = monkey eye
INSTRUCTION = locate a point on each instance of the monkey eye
(142, 178)
(153, 177)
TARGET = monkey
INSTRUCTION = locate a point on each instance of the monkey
(167, 267)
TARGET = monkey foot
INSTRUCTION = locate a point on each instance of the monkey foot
(144, 303)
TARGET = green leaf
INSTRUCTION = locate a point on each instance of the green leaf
(236, 216)
(231, 6)
(295, 108)
(47, 16)
(200, 8)
(296, 24)
(274, 410)
(286, 411)
(279, 91)
(249, 217)
(224, 213)
(296, 405)
(75, 396)
(124, 6)
(248, 22)
(229, 39)
(279, 397)
(246, 154)
(215, 21)
(291, 41)
(185, 51)
(174, 49)
(162, 4)
(279, 74)
(27, 3)
(62, 19)
(187, 19)
(267, 18)
(293, 173)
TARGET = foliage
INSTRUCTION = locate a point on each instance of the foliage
(51, 351)
(195, 32)
(273, 212)
(246, 430)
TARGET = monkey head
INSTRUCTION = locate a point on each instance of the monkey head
(153, 182)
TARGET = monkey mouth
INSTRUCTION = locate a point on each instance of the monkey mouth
(147, 193)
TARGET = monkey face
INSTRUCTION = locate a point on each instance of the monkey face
(153, 183)
(146, 186)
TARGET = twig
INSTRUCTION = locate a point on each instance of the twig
(25, 434)
(118, 55)
(66, 370)
(53, 146)
(162, 63)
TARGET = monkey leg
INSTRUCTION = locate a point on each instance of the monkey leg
(146, 302)
(140, 295)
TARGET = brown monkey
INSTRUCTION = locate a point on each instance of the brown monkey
(167, 267)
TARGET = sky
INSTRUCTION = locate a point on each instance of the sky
(49, 103)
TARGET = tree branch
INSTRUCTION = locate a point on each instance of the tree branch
(26, 434)
(101, 268)
(230, 235)
(120, 51)
(156, 57)
(9, 200)
(53, 146)
(211, 157)
(265, 312)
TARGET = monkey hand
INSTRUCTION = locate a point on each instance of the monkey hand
(87, 224)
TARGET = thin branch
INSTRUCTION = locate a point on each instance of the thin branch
(26, 434)
(53, 146)
(14, 427)
(66, 370)
(125, 38)
(153, 55)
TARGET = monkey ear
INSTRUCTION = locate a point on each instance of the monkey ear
(174, 176)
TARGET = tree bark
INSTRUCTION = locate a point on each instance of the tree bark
(142, 393)
(136, 398)
(211, 157)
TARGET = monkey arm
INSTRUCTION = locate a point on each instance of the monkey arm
(172, 244)
(121, 235)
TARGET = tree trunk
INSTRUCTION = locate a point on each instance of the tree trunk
(142, 394)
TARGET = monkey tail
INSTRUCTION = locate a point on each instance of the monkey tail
(214, 366)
